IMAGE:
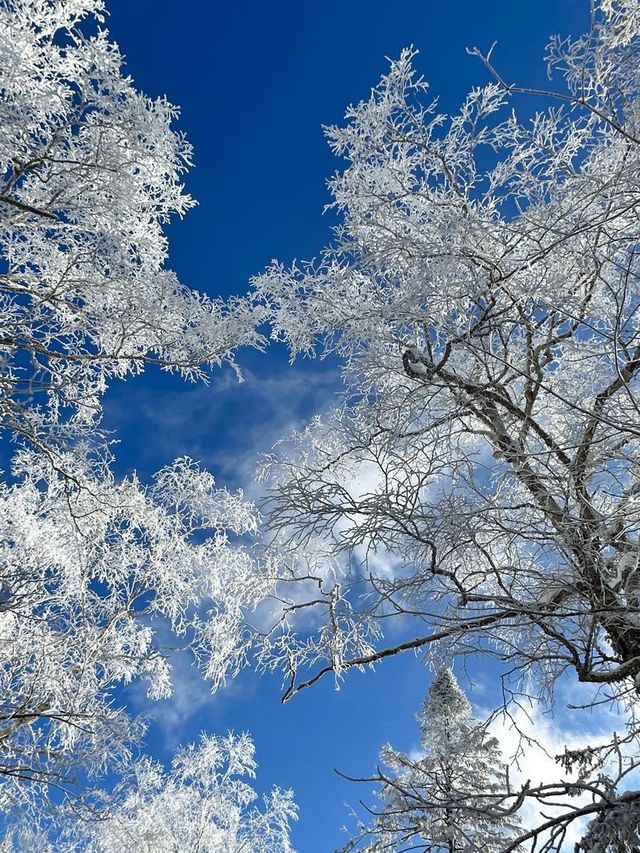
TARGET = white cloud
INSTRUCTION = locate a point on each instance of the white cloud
(224, 426)
(531, 737)
(190, 699)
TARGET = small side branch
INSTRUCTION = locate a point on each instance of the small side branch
(27, 208)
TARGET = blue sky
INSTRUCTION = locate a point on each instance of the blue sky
(256, 81)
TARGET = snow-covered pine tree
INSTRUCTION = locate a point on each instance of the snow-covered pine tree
(452, 798)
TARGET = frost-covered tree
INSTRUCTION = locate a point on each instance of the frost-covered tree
(479, 482)
(204, 805)
(90, 172)
(452, 798)
(90, 567)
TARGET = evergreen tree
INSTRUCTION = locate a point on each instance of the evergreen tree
(453, 798)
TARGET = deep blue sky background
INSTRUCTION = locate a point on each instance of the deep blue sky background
(255, 82)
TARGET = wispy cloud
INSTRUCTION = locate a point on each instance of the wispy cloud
(531, 737)
(191, 698)
(224, 426)
(176, 720)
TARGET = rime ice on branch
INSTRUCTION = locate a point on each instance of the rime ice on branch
(90, 172)
(479, 481)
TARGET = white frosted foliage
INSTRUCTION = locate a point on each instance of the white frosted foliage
(450, 800)
(474, 491)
